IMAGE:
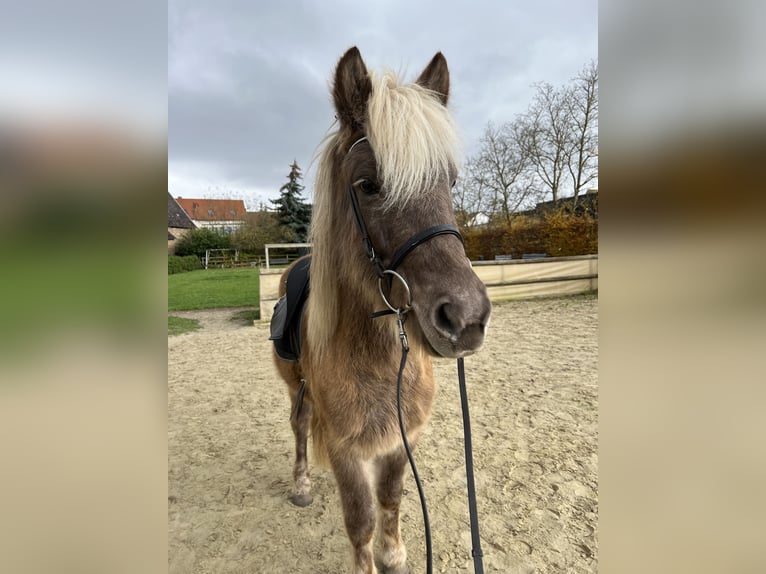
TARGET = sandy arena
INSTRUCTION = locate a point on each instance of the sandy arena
(533, 396)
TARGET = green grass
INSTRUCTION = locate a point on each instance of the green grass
(213, 288)
(181, 325)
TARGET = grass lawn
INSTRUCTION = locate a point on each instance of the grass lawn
(180, 325)
(213, 288)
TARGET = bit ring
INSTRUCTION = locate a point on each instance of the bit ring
(399, 310)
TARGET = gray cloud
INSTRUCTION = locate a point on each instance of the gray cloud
(248, 82)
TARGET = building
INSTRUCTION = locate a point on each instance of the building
(226, 215)
(179, 223)
(585, 204)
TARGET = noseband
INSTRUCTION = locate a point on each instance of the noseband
(400, 254)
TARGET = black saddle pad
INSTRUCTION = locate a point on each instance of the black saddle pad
(286, 320)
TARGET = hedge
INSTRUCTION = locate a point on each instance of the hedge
(178, 264)
(198, 241)
(556, 235)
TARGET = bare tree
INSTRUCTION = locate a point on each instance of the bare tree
(468, 195)
(582, 104)
(549, 136)
(534, 156)
(499, 174)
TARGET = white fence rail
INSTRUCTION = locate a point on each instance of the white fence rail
(281, 260)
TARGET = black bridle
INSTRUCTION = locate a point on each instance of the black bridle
(406, 248)
(383, 271)
(399, 255)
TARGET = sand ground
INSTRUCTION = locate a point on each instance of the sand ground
(533, 397)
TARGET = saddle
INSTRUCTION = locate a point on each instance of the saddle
(288, 312)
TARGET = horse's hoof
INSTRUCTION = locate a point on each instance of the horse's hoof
(301, 500)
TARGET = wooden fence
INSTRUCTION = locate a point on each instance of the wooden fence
(549, 276)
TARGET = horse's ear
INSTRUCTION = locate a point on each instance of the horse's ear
(351, 89)
(436, 77)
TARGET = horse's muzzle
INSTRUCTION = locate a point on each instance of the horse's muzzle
(455, 325)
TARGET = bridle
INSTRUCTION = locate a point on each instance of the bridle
(400, 254)
(390, 272)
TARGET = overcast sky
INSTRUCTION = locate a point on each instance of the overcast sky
(248, 81)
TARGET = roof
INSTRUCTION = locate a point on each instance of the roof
(177, 217)
(586, 203)
(213, 209)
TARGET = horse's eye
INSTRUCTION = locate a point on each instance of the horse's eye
(454, 182)
(367, 186)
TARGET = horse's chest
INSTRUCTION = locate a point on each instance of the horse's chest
(369, 416)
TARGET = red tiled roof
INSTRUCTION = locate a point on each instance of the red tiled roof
(213, 209)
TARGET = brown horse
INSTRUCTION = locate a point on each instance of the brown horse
(394, 156)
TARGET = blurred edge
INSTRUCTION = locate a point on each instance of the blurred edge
(82, 398)
(83, 183)
(682, 284)
(82, 349)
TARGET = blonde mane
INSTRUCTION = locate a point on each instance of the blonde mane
(322, 305)
(415, 143)
(412, 135)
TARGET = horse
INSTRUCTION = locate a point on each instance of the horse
(383, 176)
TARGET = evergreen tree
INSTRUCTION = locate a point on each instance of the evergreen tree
(293, 213)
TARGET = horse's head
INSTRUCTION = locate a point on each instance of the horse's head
(396, 155)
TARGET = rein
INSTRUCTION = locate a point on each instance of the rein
(401, 316)
(476, 552)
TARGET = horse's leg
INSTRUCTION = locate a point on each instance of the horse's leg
(300, 419)
(392, 553)
(358, 508)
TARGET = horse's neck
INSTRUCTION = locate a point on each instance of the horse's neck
(356, 302)
(376, 337)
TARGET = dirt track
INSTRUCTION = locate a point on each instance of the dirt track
(533, 397)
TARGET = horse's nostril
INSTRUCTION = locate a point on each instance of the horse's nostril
(449, 319)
